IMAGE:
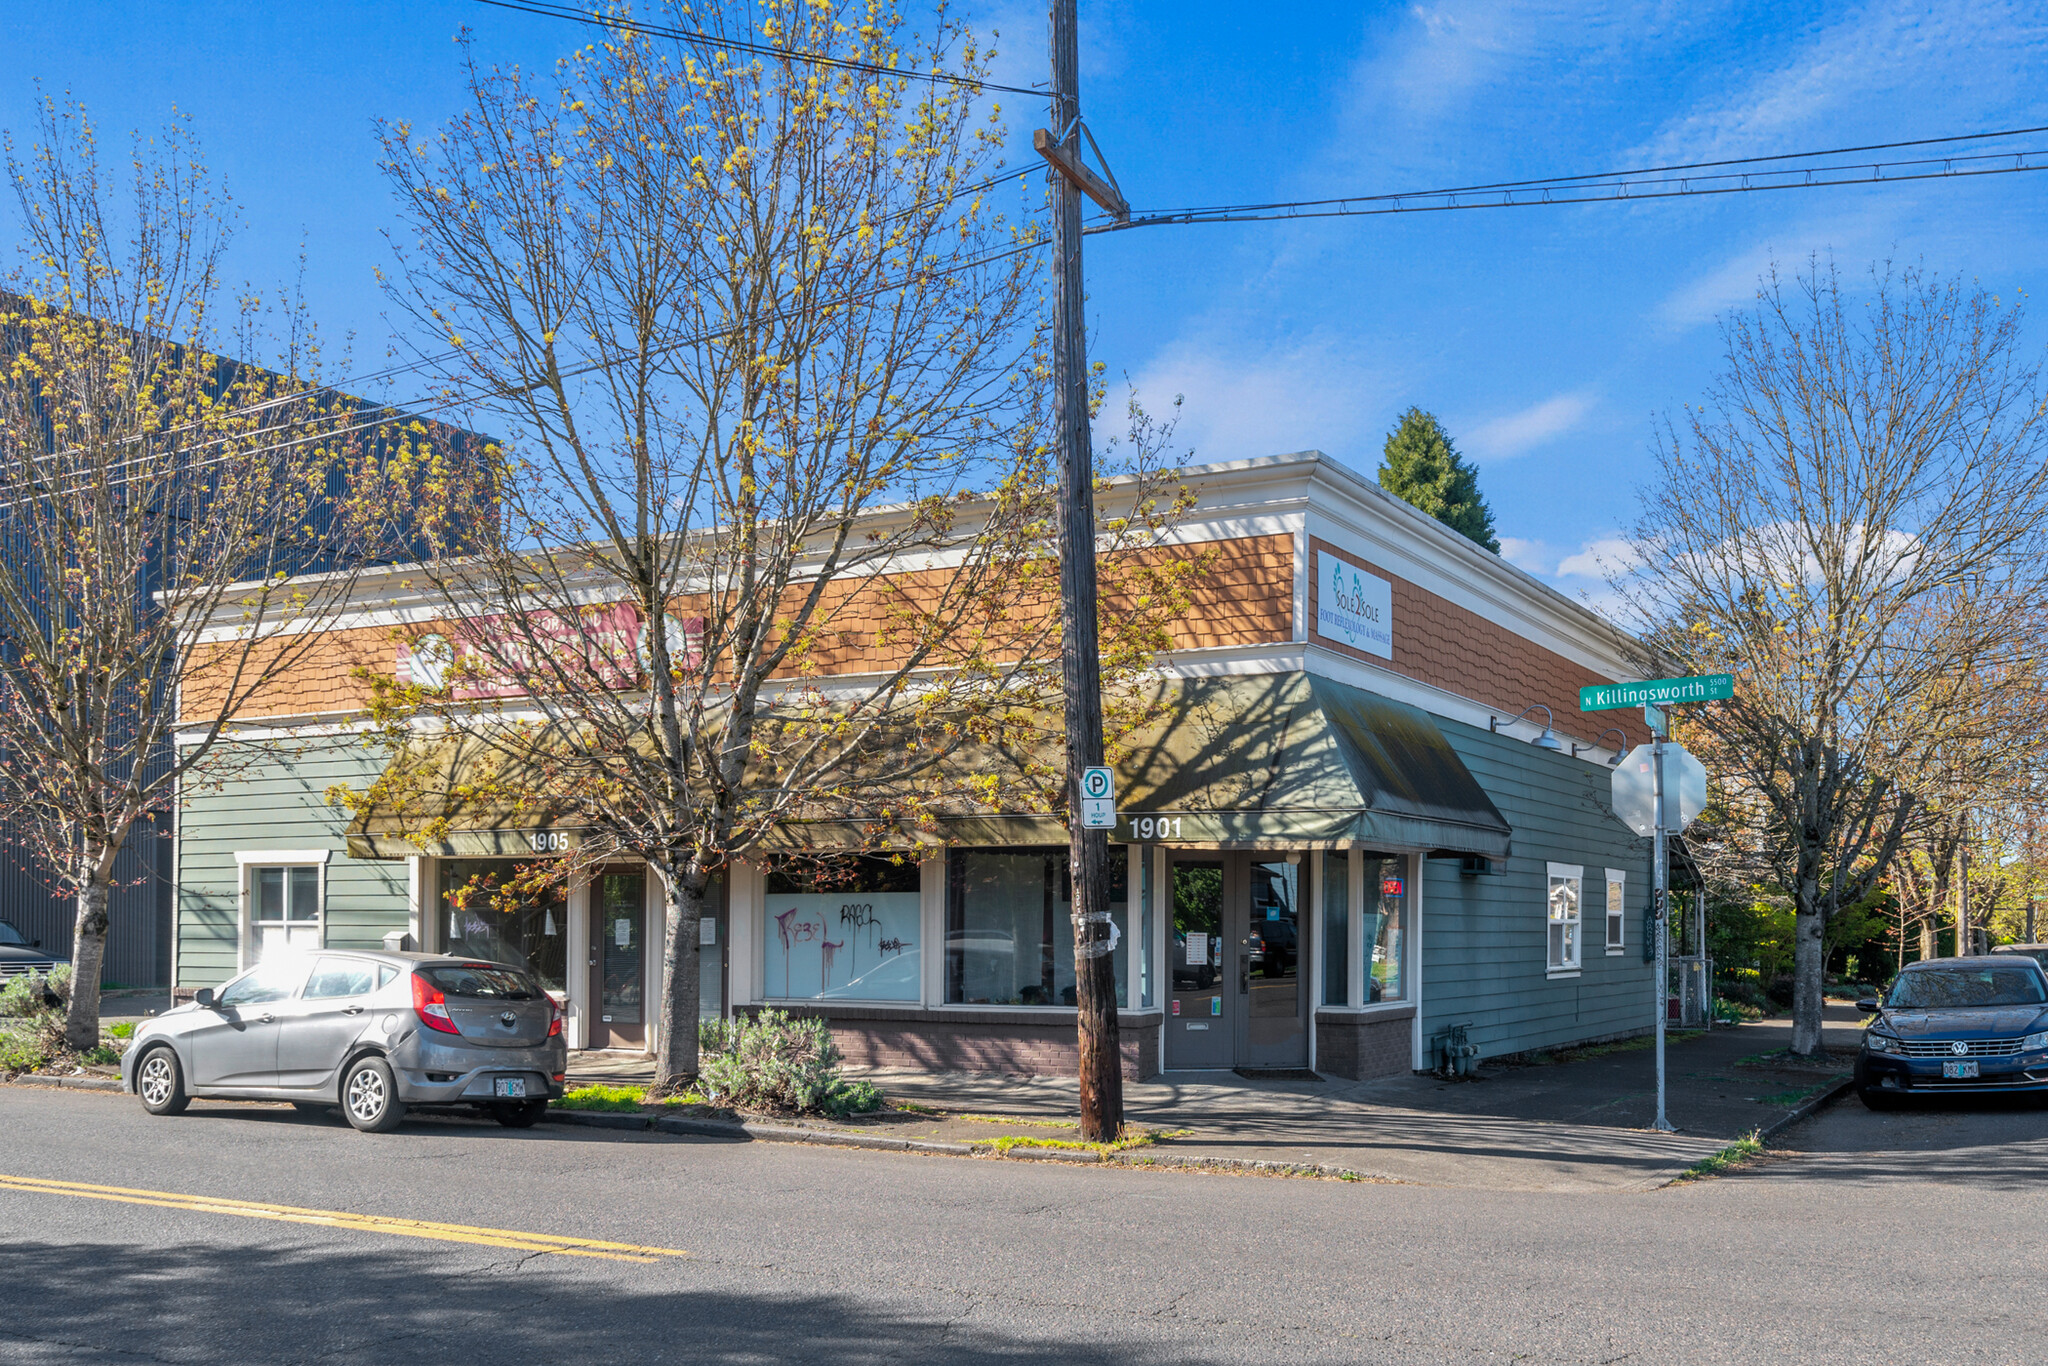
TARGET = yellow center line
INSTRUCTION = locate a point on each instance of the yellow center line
(368, 1223)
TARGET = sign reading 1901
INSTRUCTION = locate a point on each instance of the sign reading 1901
(1155, 827)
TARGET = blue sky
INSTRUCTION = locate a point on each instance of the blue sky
(1547, 339)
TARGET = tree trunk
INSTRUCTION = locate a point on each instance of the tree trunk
(1809, 962)
(88, 953)
(675, 1060)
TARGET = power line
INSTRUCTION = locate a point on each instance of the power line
(781, 54)
(1666, 182)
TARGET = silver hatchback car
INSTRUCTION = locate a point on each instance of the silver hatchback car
(371, 1032)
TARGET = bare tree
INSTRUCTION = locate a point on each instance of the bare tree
(154, 499)
(763, 347)
(1851, 523)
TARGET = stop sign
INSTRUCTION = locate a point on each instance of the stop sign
(1685, 790)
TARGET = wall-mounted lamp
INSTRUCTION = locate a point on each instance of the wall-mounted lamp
(1547, 740)
(1620, 746)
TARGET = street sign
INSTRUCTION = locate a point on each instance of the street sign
(1685, 790)
(1653, 719)
(1098, 799)
(1661, 692)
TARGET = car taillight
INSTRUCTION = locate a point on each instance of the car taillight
(554, 1020)
(431, 1006)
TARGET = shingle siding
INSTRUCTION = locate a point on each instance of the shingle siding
(1485, 944)
(279, 803)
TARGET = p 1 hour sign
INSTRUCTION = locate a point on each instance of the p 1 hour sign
(1098, 799)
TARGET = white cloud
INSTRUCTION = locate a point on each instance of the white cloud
(1516, 433)
(1599, 559)
(1240, 402)
(1534, 556)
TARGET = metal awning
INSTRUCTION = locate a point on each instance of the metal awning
(1267, 760)
(1278, 759)
(453, 797)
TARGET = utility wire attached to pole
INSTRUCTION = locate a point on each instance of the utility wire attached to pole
(1101, 1070)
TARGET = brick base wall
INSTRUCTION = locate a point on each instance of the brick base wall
(1359, 1047)
(1039, 1045)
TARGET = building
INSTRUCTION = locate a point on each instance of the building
(1344, 836)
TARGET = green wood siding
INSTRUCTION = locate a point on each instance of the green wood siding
(279, 804)
(1485, 940)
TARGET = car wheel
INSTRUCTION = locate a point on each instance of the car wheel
(369, 1096)
(1875, 1099)
(520, 1115)
(161, 1082)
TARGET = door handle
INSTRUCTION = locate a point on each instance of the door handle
(266, 1019)
(351, 1010)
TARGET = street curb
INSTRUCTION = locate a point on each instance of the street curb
(760, 1133)
(1254, 1166)
(1807, 1110)
(65, 1083)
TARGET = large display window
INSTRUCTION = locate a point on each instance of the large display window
(492, 913)
(844, 929)
(1010, 928)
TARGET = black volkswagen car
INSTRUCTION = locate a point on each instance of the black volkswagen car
(1950, 1026)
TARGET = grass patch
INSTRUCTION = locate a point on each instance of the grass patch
(1734, 1155)
(603, 1098)
(1131, 1137)
(1011, 1119)
(1789, 1099)
(911, 1107)
(123, 1030)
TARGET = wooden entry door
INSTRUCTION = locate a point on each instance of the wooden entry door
(618, 958)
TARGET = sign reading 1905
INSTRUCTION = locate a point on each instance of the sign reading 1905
(1657, 692)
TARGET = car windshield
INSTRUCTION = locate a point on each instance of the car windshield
(1937, 988)
(10, 935)
(486, 980)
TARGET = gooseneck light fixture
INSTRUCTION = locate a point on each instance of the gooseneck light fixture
(1547, 740)
(1620, 746)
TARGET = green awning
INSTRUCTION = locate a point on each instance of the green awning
(1294, 759)
(1268, 760)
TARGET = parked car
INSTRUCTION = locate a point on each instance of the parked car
(1950, 1026)
(375, 1033)
(20, 954)
(2037, 952)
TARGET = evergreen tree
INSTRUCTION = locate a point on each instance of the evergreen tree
(1423, 467)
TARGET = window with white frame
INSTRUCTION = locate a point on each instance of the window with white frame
(284, 908)
(1616, 920)
(1567, 883)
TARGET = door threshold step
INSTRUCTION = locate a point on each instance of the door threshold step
(1277, 1074)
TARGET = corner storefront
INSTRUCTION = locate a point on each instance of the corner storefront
(1336, 844)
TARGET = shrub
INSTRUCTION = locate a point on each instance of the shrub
(123, 1030)
(32, 992)
(33, 1044)
(782, 1065)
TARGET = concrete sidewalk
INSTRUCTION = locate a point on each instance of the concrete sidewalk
(1579, 1123)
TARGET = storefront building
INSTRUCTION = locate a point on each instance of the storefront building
(1338, 839)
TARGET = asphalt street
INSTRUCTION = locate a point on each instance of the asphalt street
(252, 1234)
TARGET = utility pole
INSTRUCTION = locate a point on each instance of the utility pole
(1102, 1078)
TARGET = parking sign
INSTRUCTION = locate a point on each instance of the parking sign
(1098, 799)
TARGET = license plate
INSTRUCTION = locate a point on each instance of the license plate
(514, 1088)
(1959, 1069)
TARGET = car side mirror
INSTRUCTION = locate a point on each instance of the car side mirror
(1868, 1005)
(203, 998)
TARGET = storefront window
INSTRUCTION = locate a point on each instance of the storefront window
(1386, 903)
(489, 916)
(1010, 929)
(843, 929)
(1337, 927)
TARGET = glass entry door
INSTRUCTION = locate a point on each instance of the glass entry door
(618, 958)
(1274, 1028)
(1201, 1004)
(1235, 942)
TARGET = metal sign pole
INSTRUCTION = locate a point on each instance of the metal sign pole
(1660, 878)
